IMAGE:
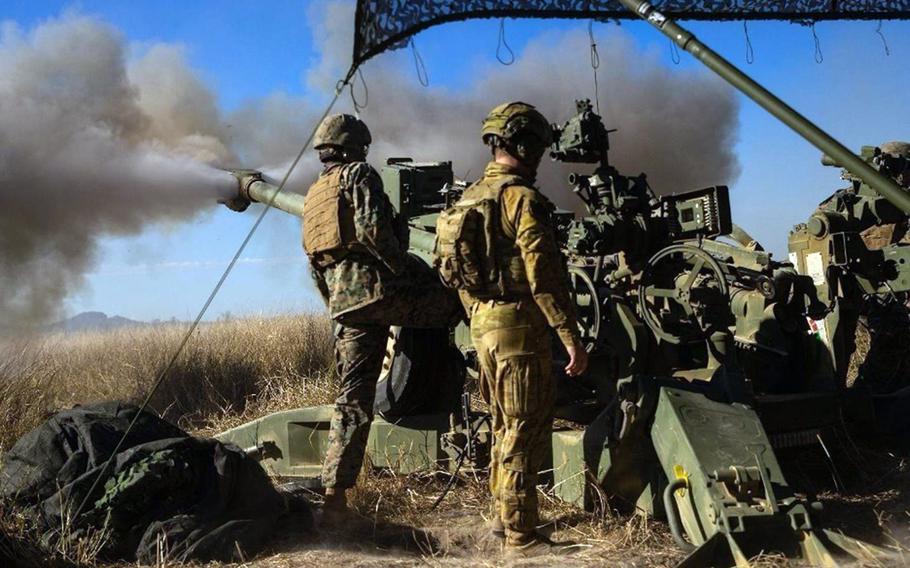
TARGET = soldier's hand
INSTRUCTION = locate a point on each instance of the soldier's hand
(578, 360)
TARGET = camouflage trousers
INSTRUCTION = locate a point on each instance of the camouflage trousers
(359, 350)
(886, 367)
(360, 344)
(514, 349)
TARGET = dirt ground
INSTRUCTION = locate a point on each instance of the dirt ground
(393, 526)
(459, 537)
(239, 370)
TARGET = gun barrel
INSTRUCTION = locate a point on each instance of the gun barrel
(254, 188)
(767, 100)
(263, 192)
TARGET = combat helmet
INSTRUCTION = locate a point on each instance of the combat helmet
(344, 130)
(520, 126)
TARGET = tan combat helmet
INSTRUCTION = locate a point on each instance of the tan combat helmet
(344, 130)
(511, 121)
(896, 148)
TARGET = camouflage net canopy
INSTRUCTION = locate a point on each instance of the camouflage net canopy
(388, 24)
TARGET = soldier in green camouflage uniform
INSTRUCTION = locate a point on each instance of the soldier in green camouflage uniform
(886, 366)
(509, 328)
(368, 281)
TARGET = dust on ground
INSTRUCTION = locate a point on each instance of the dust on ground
(238, 370)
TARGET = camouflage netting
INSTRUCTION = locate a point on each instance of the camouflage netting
(387, 24)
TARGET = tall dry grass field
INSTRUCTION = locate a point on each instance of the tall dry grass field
(238, 370)
(230, 371)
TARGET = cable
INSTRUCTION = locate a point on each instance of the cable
(464, 453)
(208, 302)
(418, 64)
(674, 52)
(878, 30)
(750, 54)
(366, 93)
(595, 64)
(819, 57)
(500, 42)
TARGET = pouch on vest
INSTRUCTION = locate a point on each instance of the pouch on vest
(464, 254)
(328, 220)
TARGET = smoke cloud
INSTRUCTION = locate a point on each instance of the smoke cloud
(93, 143)
(89, 147)
(677, 125)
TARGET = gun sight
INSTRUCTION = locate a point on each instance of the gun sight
(583, 139)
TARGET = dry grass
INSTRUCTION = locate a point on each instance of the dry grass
(394, 525)
(229, 371)
(238, 370)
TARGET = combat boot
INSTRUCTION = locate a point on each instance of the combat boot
(497, 529)
(537, 545)
(334, 509)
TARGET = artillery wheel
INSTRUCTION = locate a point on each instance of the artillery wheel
(421, 373)
(587, 304)
(679, 287)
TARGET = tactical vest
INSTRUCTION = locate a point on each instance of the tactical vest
(328, 218)
(472, 252)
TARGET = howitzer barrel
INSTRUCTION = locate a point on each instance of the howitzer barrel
(263, 191)
(253, 187)
(801, 125)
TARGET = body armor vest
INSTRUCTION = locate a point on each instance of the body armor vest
(473, 253)
(328, 218)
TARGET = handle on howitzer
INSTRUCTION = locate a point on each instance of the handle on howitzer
(781, 110)
(673, 514)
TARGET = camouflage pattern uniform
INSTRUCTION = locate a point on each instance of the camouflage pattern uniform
(368, 282)
(886, 366)
(514, 345)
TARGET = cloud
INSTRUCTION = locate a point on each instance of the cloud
(93, 143)
(90, 146)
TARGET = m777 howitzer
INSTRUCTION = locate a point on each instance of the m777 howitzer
(833, 249)
(703, 366)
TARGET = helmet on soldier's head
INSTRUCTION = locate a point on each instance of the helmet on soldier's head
(896, 148)
(514, 122)
(344, 130)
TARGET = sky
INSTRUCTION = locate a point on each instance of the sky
(249, 50)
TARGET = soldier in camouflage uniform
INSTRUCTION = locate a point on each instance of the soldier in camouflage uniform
(510, 329)
(887, 365)
(368, 282)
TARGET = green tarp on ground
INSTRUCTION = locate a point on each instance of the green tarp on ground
(196, 499)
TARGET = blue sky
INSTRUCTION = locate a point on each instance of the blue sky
(247, 50)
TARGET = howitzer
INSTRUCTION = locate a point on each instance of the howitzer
(703, 365)
(829, 247)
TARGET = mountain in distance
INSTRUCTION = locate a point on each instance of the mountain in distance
(94, 321)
